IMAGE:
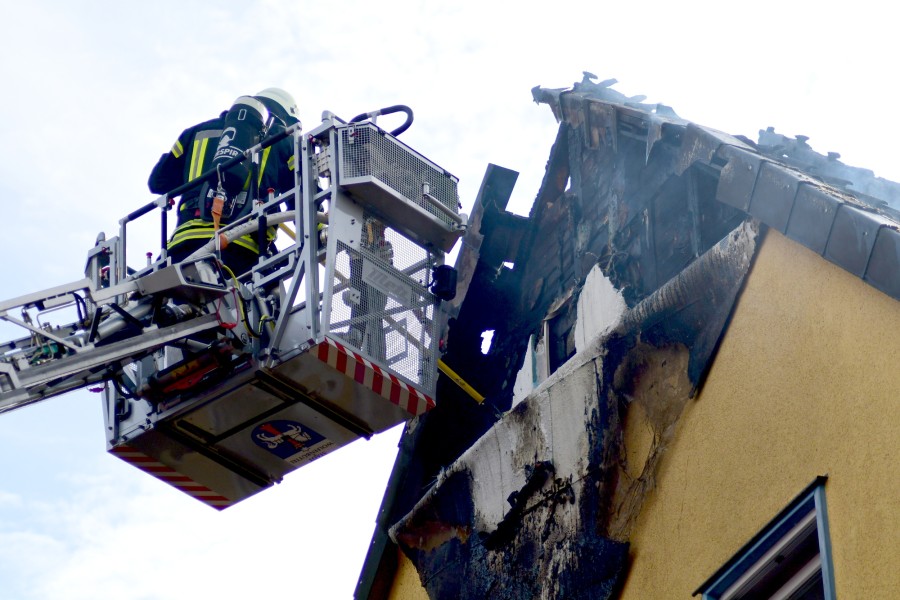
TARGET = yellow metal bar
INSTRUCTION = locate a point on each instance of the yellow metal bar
(460, 381)
(287, 229)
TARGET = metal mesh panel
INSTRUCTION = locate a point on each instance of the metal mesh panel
(381, 305)
(367, 152)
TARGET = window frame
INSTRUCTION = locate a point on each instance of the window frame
(787, 527)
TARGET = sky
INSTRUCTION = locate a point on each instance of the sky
(94, 91)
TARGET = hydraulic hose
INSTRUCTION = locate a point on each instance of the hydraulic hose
(389, 110)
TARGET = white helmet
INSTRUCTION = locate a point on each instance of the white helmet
(281, 103)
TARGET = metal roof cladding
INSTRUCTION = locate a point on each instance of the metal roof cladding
(843, 213)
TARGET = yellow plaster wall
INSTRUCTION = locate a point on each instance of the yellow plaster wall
(806, 382)
(406, 584)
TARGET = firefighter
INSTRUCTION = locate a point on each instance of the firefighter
(201, 147)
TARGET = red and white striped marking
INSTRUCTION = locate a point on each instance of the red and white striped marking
(370, 375)
(166, 473)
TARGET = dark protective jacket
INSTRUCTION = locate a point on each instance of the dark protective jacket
(192, 154)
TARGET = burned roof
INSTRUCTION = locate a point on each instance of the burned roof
(652, 200)
(843, 213)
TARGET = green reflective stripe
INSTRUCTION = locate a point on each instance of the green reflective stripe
(197, 229)
(198, 151)
(202, 156)
(197, 158)
(290, 163)
(177, 149)
(187, 206)
(194, 159)
(262, 164)
(247, 242)
(195, 223)
(184, 236)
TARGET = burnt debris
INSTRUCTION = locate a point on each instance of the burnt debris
(672, 213)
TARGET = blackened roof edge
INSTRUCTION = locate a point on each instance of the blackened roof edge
(844, 214)
(815, 200)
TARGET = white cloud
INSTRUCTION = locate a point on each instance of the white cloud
(118, 533)
(8, 499)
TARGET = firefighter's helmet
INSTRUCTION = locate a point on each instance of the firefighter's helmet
(281, 103)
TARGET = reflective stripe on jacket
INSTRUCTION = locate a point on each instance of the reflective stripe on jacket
(191, 154)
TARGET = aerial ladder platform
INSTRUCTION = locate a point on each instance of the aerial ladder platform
(221, 383)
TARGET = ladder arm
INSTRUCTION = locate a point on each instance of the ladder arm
(92, 348)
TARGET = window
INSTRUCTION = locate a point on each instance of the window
(559, 333)
(789, 560)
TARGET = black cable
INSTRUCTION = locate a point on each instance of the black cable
(389, 110)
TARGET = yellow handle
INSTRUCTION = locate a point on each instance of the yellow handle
(288, 231)
(460, 381)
